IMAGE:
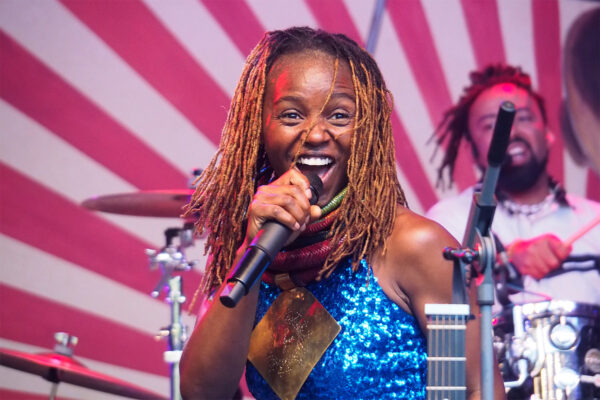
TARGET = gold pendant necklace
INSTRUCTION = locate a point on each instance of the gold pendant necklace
(290, 339)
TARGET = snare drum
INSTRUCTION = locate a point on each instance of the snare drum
(549, 350)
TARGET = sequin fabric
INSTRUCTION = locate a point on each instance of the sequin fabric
(380, 352)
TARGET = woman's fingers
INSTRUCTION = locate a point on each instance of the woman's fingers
(285, 200)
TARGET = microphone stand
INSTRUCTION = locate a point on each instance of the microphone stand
(478, 243)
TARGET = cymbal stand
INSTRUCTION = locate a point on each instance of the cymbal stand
(64, 346)
(171, 259)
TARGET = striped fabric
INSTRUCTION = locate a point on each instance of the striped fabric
(102, 96)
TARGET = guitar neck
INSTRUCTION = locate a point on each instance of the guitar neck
(446, 325)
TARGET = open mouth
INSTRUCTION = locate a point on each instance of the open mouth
(319, 165)
(518, 151)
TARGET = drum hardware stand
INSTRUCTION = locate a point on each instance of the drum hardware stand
(171, 259)
(523, 360)
(64, 346)
(479, 263)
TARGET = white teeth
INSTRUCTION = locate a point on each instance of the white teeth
(516, 150)
(315, 161)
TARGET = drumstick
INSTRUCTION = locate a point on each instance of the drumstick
(582, 231)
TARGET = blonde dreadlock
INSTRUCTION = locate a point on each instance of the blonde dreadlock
(226, 187)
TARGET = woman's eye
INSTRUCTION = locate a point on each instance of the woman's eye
(290, 118)
(340, 118)
(290, 115)
(340, 115)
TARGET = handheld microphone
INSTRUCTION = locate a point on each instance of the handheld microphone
(260, 253)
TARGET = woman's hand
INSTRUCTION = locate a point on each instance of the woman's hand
(286, 200)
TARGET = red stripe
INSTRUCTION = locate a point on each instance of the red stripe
(546, 35)
(239, 21)
(42, 218)
(593, 186)
(413, 31)
(34, 89)
(140, 39)
(411, 166)
(483, 24)
(34, 320)
(333, 16)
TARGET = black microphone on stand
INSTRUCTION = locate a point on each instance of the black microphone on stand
(481, 217)
(479, 225)
(261, 253)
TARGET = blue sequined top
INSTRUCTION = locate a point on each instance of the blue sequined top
(380, 352)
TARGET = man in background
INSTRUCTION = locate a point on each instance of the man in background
(536, 222)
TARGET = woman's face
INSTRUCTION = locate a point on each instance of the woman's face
(295, 102)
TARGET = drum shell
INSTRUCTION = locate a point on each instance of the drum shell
(557, 335)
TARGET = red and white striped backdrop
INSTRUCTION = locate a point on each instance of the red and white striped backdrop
(100, 97)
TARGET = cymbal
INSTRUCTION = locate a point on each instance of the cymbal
(149, 203)
(59, 368)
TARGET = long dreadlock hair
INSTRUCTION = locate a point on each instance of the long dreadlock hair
(455, 124)
(225, 188)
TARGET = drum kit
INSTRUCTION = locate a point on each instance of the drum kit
(549, 350)
(60, 365)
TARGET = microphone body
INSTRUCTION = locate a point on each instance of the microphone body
(260, 254)
(484, 203)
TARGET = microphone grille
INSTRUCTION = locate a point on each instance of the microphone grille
(316, 187)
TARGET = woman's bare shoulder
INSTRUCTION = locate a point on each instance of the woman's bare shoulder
(415, 237)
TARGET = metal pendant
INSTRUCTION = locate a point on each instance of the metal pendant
(290, 339)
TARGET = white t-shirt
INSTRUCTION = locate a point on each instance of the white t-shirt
(562, 221)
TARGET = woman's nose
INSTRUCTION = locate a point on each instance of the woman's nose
(319, 133)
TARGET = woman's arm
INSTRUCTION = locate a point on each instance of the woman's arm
(415, 273)
(215, 355)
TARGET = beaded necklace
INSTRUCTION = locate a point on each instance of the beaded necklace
(303, 259)
(557, 194)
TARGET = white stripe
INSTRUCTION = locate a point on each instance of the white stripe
(361, 13)
(44, 275)
(34, 151)
(575, 175)
(446, 388)
(203, 38)
(449, 40)
(282, 14)
(516, 25)
(569, 11)
(411, 196)
(73, 51)
(16, 380)
(447, 327)
(452, 43)
(408, 100)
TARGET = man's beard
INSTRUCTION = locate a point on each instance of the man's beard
(518, 179)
